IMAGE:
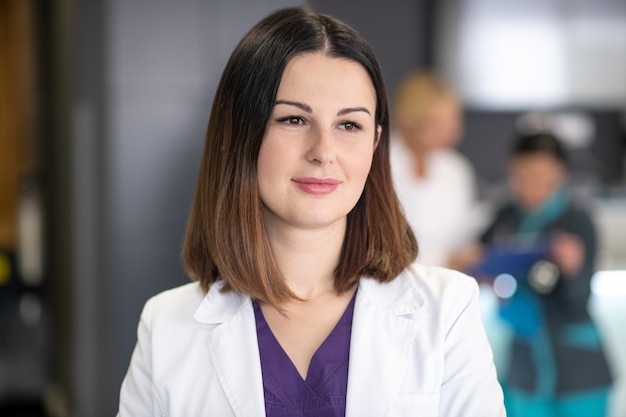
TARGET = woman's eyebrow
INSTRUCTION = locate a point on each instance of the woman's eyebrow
(302, 106)
(352, 109)
(308, 109)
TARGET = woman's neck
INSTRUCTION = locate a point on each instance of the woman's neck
(307, 259)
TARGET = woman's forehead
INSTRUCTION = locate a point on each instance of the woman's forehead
(317, 74)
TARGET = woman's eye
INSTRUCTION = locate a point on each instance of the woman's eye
(291, 120)
(350, 126)
(295, 121)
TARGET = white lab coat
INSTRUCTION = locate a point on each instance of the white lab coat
(418, 348)
(442, 207)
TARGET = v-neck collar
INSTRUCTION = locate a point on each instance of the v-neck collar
(330, 359)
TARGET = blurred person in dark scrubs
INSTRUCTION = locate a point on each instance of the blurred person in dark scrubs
(547, 244)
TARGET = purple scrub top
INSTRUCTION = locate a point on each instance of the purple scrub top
(323, 393)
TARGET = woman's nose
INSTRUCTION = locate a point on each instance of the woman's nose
(322, 149)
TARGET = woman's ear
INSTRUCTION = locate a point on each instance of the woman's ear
(379, 131)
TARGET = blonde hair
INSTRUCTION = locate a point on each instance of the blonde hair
(417, 94)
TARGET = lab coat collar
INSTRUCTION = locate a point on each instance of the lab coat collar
(398, 297)
(218, 306)
(232, 347)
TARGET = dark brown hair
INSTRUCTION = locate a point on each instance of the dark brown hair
(225, 236)
(545, 143)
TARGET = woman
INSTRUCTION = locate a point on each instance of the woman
(435, 183)
(305, 301)
(557, 366)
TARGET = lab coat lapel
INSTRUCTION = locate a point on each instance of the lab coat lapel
(381, 342)
(234, 352)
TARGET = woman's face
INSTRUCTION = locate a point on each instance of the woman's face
(534, 178)
(319, 143)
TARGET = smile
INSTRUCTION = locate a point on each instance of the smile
(317, 186)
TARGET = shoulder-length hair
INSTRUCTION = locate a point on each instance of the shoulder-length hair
(226, 237)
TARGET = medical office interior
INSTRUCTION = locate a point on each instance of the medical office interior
(103, 107)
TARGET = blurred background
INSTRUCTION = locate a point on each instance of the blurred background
(103, 108)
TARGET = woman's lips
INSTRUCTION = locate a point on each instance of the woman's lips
(319, 186)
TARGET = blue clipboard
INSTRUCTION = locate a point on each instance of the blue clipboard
(510, 258)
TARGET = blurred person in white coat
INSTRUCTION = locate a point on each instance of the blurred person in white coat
(306, 300)
(435, 183)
